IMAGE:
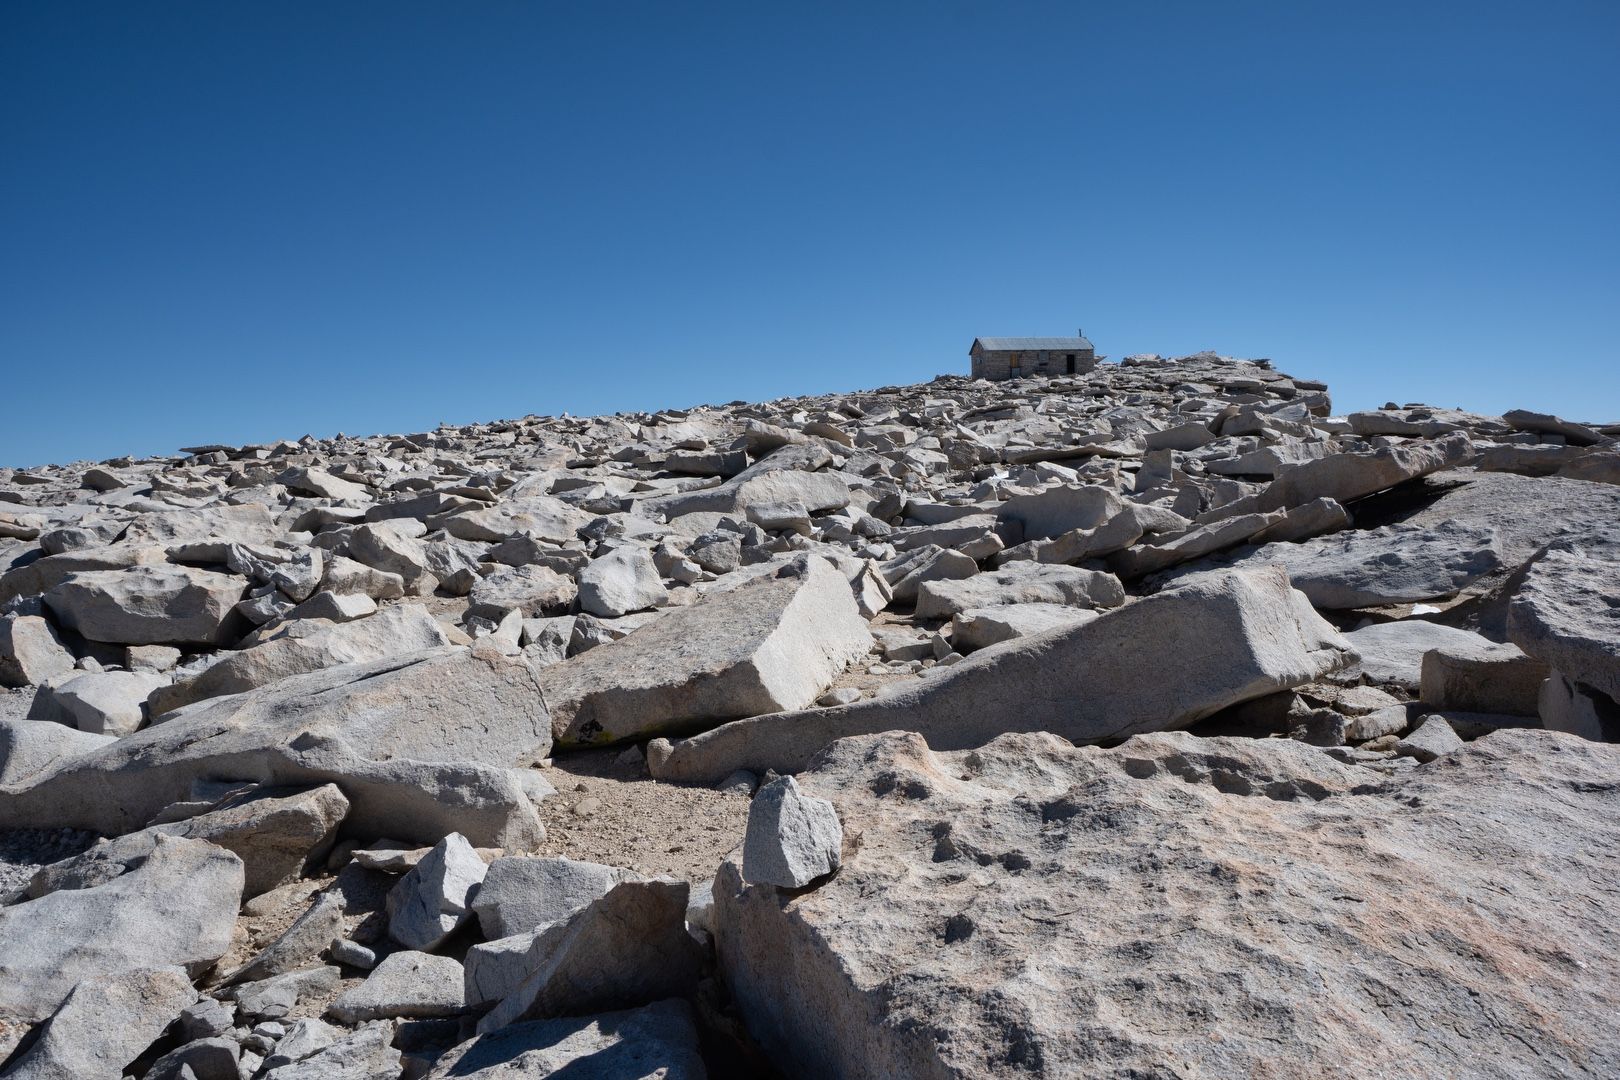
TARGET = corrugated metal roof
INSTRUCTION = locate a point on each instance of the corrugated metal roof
(1023, 344)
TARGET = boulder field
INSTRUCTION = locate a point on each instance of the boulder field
(1157, 721)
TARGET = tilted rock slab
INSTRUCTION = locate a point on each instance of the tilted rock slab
(421, 745)
(1190, 907)
(1158, 663)
(1397, 564)
(306, 645)
(770, 644)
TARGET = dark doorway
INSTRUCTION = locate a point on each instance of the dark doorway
(1068, 362)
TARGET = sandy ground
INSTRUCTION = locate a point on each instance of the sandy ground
(615, 814)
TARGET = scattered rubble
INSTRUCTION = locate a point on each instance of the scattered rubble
(1149, 720)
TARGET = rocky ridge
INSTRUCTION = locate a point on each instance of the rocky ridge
(1155, 721)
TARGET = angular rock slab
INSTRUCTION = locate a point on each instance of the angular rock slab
(148, 605)
(434, 899)
(420, 745)
(773, 643)
(1566, 612)
(658, 1040)
(1020, 583)
(405, 984)
(1158, 663)
(1036, 909)
(622, 581)
(1397, 564)
(176, 908)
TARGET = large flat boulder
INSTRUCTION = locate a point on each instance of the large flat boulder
(421, 746)
(176, 907)
(305, 645)
(773, 643)
(1396, 564)
(148, 605)
(1176, 905)
(1158, 663)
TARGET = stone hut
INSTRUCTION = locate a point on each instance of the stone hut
(1016, 357)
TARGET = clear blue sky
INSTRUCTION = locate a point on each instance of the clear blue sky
(234, 222)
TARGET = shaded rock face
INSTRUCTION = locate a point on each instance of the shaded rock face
(1236, 636)
(1034, 909)
(658, 1040)
(1567, 612)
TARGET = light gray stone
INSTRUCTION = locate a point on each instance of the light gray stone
(304, 1038)
(1498, 679)
(276, 832)
(622, 581)
(1566, 614)
(531, 590)
(1568, 706)
(148, 605)
(105, 702)
(1058, 510)
(792, 838)
(364, 1054)
(1237, 636)
(434, 900)
(299, 944)
(775, 642)
(30, 651)
(521, 894)
(30, 747)
(1432, 738)
(981, 627)
(407, 985)
(300, 646)
(421, 745)
(1397, 564)
(1091, 910)
(1392, 653)
(177, 907)
(103, 1024)
(1020, 583)
(275, 997)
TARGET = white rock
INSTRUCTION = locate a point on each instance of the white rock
(792, 838)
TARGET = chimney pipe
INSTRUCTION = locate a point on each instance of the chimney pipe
(1082, 332)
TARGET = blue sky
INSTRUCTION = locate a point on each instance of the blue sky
(237, 222)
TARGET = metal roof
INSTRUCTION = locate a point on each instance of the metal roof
(1025, 344)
